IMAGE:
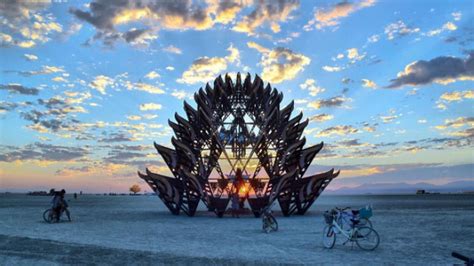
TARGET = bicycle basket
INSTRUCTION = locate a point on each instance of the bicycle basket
(365, 213)
(328, 218)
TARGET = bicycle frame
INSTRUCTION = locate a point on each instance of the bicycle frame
(347, 233)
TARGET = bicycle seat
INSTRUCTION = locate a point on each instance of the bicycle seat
(355, 212)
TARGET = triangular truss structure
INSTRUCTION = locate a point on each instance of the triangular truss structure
(238, 127)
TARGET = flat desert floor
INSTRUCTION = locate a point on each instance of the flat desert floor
(413, 229)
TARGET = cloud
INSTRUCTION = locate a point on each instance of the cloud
(331, 17)
(19, 89)
(310, 85)
(169, 68)
(205, 68)
(30, 57)
(108, 17)
(456, 16)
(100, 83)
(172, 49)
(134, 117)
(150, 106)
(152, 75)
(280, 64)
(336, 101)
(139, 37)
(43, 71)
(7, 106)
(374, 38)
(441, 70)
(338, 130)
(321, 118)
(25, 23)
(457, 123)
(266, 12)
(354, 55)
(59, 79)
(457, 96)
(399, 29)
(42, 152)
(389, 118)
(332, 68)
(140, 86)
(117, 137)
(181, 94)
(369, 84)
(448, 26)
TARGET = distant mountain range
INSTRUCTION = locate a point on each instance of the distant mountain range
(404, 188)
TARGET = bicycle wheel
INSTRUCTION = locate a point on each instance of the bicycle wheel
(364, 222)
(273, 223)
(48, 216)
(367, 238)
(329, 237)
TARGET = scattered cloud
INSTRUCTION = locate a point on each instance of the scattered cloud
(280, 64)
(266, 12)
(172, 49)
(353, 55)
(441, 70)
(42, 152)
(337, 130)
(331, 17)
(310, 85)
(30, 57)
(169, 68)
(448, 26)
(399, 29)
(150, 106)
(152, 75)
(332, 68)
(456, 16)
(374, 38)
(321, 118)
(100, 83)
(181, 94)
(205, 68)
(457, 96)
(26, 23)
(19, 89)
(369, 84)
(337, 101)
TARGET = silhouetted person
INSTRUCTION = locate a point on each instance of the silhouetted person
(64, 205)
(56, 204)
(75, 195)
(235, 204)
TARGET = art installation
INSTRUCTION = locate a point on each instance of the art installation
(238, 140)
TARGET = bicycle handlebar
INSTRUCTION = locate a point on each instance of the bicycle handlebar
(462, 257)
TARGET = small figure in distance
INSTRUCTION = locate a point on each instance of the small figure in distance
(75, 195)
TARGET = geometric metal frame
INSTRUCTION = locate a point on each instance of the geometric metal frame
(217, 130)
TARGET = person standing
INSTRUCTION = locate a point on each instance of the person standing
(235, 204)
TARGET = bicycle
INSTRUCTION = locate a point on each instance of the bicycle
(269, 223)
(365, 237)
(362, 215)
(50, 215)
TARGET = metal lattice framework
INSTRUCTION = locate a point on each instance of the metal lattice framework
(238, 128)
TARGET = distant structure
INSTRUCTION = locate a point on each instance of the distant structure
(238, 140)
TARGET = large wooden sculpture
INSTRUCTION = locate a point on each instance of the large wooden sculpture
(238, 140)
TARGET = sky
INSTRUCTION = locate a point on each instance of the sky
(87, 87)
